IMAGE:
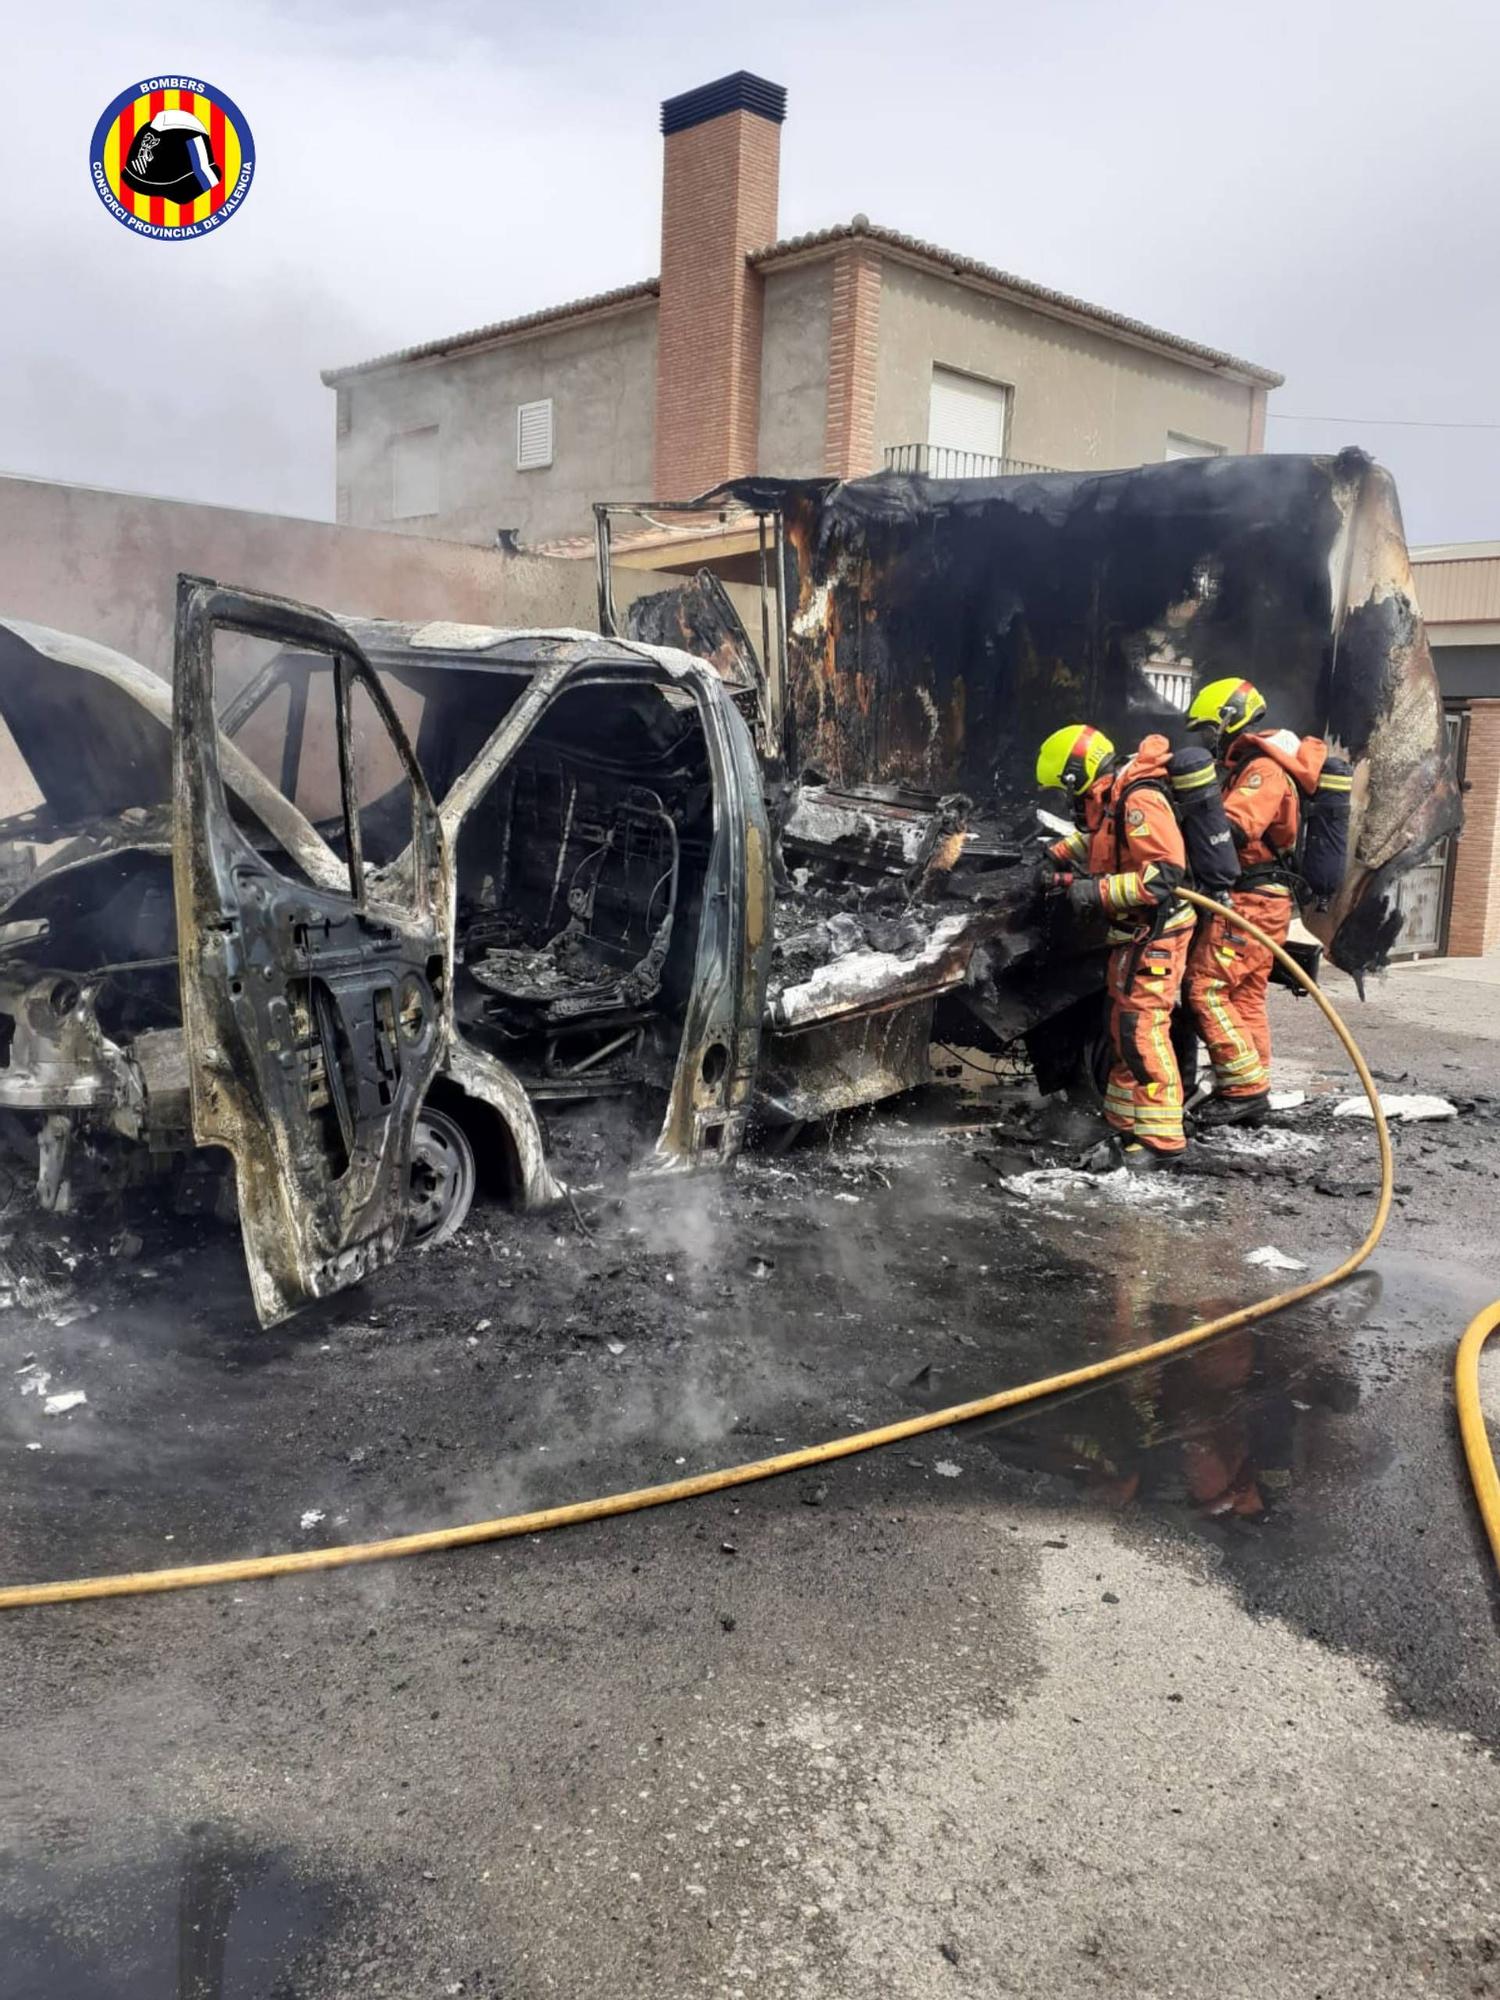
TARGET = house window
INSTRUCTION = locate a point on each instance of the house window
(1179, 446)
(534, 435)
(967, 423)
(414, 474)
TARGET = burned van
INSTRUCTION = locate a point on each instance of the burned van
(352, 902)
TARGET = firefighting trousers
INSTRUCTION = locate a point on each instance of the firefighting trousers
(1227, 977)
(1144, 1094)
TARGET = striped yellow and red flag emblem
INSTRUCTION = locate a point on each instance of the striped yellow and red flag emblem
(227, 140)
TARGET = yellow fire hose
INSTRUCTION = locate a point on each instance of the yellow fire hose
(251, 1568)
(1471, 1427)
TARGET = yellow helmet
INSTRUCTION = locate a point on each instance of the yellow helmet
(1230, 705)
(1073, 757)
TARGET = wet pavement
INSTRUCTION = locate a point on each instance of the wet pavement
(203, 1918)
(414, 1779)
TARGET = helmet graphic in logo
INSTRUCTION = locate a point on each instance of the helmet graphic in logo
(173, 158)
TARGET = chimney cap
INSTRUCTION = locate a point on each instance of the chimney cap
(739, 92)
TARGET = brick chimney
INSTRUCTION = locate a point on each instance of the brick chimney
(722, 158)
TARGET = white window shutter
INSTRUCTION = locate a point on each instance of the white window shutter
(533, 435)
(966, 425)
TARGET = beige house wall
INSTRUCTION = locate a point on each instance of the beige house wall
(1081, 399)
(794, 370)
(601, 376)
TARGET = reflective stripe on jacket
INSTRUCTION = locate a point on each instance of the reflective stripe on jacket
(1136, 858)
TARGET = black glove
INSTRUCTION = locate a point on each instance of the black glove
(1083, 896)
(1049, 878)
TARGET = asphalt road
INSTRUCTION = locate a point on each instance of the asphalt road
(1186, 1686)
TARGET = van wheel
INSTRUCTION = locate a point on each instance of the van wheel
(443, 1179)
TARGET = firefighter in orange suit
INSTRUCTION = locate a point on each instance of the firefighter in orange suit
(1126, 858)
(1229, 973)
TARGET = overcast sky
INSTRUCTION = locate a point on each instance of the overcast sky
(1312, 184)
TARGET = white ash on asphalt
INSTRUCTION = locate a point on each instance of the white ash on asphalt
(1053, 1184)
(1412, 1110)
(1262, 1143)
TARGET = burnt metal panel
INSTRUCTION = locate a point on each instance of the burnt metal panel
(698, 619)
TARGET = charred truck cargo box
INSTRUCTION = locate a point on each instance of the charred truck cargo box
(937, 630)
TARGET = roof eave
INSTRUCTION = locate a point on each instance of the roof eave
(604, 305)
(1002, 284)
(1450, 552)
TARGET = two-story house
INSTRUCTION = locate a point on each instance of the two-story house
(831, 353)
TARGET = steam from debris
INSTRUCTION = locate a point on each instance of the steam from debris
(714, 1375)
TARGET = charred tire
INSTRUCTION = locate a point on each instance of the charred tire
(443, 1178)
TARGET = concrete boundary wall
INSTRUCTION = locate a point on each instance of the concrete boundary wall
(105, 565)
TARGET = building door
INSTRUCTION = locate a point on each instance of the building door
(1423, 894)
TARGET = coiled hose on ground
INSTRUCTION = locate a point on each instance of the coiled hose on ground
(251, 1568)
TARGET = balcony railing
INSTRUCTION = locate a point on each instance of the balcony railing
(942, 461)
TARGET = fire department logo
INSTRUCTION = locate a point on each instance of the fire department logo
(172, 157)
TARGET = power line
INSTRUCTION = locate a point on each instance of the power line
(1387, 423)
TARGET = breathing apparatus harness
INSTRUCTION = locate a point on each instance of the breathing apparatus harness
(1312, 868)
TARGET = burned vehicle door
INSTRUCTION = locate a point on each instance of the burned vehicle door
(311, 977)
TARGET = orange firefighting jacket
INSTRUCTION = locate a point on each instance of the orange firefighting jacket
(1135, 857)
(1261, 799)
